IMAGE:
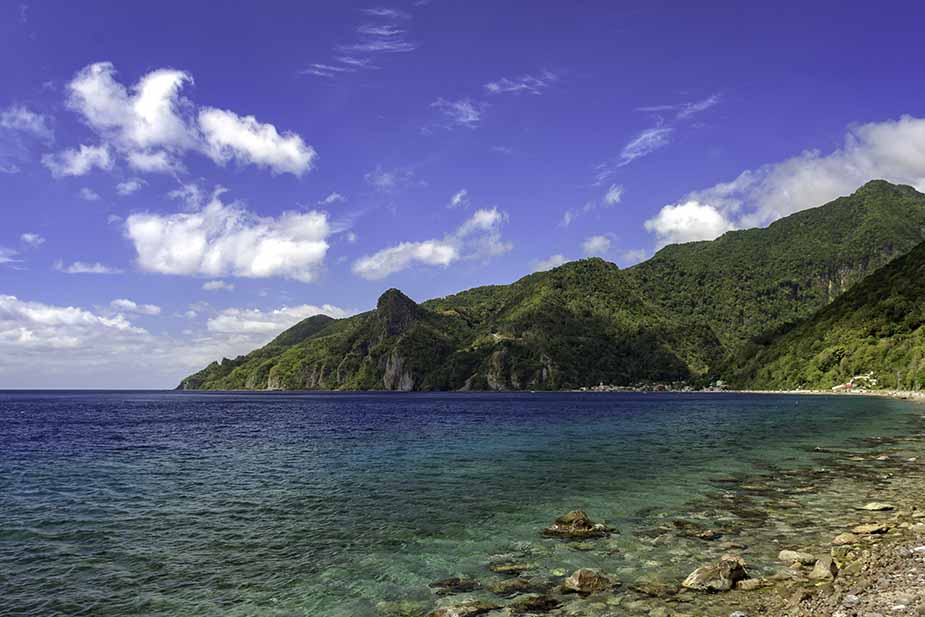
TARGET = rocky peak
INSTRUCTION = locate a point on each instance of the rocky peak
(396, 311)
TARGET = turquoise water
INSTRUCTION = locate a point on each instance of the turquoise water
(346, 505)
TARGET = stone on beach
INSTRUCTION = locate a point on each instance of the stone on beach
(577, 524)
(878, 506)
(721, 576)
(825, 569)
(844, 539)
(586, 581)
(871, 529)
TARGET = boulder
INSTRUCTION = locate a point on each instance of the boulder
(466, 609)
(586, 581)
(824, 570)
(806, 559)
(721, 576)
(871, 529)
(577, 524)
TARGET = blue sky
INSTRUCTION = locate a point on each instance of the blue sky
(179, 182)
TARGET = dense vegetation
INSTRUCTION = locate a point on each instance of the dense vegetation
(674, 317)
(877, 326)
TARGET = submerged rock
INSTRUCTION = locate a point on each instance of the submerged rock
(533, 603)
(509, 568)
(518, 585)
(577, 524)
(466, 609)
(844, 539)
(871, 529)
(454, 584)
(878, 506)
(721, 576)
(586, 581)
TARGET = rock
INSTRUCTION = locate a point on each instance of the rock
(514, 586)
(844, 555)
(825, 569)
(509, 568)
(721, 576)
(799, 556)
(878, 506)
(577, 524)
(751, 584)
(737, 614)
(454, 584)
(851, 600)
(844, 539)
(533, 603)
(466, 609)
(871, 528)
(586, 581)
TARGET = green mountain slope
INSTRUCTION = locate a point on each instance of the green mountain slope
(875, 326)
(748, 282)
(674, 317)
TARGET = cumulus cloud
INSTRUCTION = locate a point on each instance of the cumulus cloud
(217, 286)
(459, 198)
(78, 162)
(256, 321)
(462, 112)
(32, 239)
(893, 150)
(85, 267)
(227, 240)
(553, 261)
(596, 245)
(129, 306)
(20, 118)
(687, 222)
(151, 124)
(479, 238)
(229, 136)
(525, 84)
(42, 326)
(129, 186)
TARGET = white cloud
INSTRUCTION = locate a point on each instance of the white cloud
(129, 186)
(33, 325)
(479, 237)
(230, 136)
(8, 256)
(19, 118)
(529, 84)
(72, 162)
(687, 222)
(332, 198)
(386, 180)
(227, 240)
(614, 195)
(893, 150)
(459, 198)
(553, 261)
(152, 125)
(463, 112)
(217, 286)
(88, 194)
(596, 245)
(647, 142)
(32, 239)
(630, 257)
(685, 110)
(255, 321)
(9, 168)
(129, 306)
(83, 267)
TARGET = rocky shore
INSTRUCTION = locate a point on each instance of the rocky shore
(843, 538)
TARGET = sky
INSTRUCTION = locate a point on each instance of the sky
(179, 182)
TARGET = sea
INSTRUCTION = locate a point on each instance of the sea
(125, 503)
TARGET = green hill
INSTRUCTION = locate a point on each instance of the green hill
(877, 326)
(674, 317)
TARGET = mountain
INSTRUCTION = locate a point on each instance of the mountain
(876, 326)
(580, 324)
(675, 317)
(749, 282)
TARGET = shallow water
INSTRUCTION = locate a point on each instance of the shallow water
(344, 504)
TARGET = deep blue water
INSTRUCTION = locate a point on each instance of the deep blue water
(168, 503)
